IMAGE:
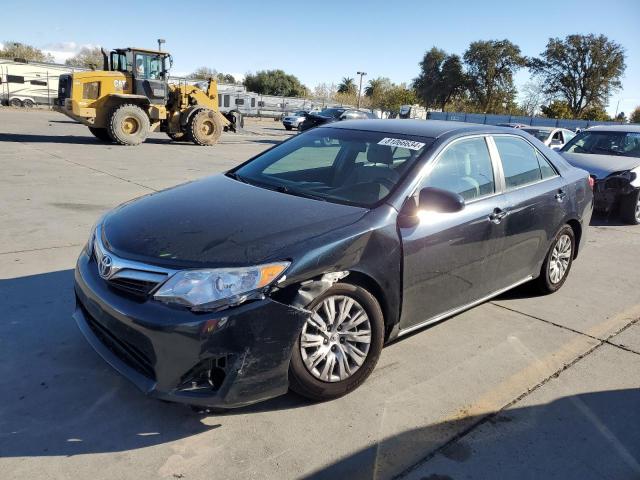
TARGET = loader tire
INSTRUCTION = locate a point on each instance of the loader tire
(101, 134)
(128, 125)
(204, 128)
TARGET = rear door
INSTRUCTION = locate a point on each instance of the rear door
(450, 258)
(535, 196)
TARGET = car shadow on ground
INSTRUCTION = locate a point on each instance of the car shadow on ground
(59, 397)
(74, 139)
(584, 436)
(611, 219)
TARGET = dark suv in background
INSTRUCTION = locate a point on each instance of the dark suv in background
(329, 115)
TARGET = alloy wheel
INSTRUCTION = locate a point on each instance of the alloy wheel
(560, 258)
(335, 339)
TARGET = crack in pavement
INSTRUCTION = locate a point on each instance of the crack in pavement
(482, 421)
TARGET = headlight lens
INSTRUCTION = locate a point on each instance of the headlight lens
(211, 289)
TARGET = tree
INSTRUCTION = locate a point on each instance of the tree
(396, 96)
(533, 97)
(491, 65)
(25, 52)
(203, 73)
(635, 116)
(377, 86)
(583, 69)
(87, 58)
(621, 117)
(348, 86)
(441, 78)
(595, 112)
(557, 109)
(274, 82)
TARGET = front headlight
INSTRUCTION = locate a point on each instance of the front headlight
(211, 289)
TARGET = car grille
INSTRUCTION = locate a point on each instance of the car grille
(134, 286)
(139, 358)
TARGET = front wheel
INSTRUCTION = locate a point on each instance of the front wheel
(630, 208)
(339, 344)
(128, 125)
(204, 128)
(558, 261)
(288, 127)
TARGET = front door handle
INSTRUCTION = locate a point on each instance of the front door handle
(560, 196)
(497, 215)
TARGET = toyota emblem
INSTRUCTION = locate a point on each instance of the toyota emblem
(104, 267)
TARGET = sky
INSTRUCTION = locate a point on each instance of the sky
(325, 40)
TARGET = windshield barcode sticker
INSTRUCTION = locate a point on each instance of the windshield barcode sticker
(398, 142)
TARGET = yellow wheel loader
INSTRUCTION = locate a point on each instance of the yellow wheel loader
(132, 96)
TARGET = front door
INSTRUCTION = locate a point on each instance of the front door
(450, 259)
(148, 73)
(535, 205)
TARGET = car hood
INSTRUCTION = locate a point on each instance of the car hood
(219, 221)
(601, 165)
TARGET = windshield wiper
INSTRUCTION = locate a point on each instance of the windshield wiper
(299, 193)
(237, 177)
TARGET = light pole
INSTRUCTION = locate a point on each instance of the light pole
(362, 74)
(160, 42)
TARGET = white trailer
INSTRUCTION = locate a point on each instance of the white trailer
(25, 84)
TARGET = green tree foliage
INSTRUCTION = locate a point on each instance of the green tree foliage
(557, 109)
(26, 52)
(635, 116)
(275, 82)
(87, 58)
(347, 86)
(491, 65)
(441, 78)
(396, 96)
(583, 69)
(594, 112)
(205, 73)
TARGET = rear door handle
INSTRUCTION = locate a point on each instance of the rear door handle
(560, 196)
(497, 215)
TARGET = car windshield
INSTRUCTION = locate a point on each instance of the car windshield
(346, 166)
(301, 113)
(605, 143)
(536, 132)
(332, 112)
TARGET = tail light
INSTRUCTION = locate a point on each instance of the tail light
(592, 182)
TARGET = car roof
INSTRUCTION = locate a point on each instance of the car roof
(542, 128)
(422, 128)
(615, 128)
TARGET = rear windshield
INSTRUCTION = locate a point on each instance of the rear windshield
(338, 165)
(626, 144)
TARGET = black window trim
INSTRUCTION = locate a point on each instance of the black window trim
(536, 149)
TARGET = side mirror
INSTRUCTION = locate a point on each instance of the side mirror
(438, 200)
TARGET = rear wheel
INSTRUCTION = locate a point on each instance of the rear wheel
(339, 344)
(101, 134)
(204, 128)
(15, 102)
(128, 125)
(557, 264)
(630, 208)
(28, 103)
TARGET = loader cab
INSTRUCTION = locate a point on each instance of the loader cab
(149, 70)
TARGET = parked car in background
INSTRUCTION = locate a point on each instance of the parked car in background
(294, 119)
(554, 138)
(611, 154)
(315, 254)
(329, 115)
(512, 125)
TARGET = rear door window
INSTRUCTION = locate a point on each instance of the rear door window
(519, 161)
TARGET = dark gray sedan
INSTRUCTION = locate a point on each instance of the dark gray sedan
(295, 268)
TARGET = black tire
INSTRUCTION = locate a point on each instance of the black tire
(630, 208)
(204, 128)
(15, 102)
(101, 134)
(177, 136)
(128, 125)
(28, 103)
(304, 383)
(544, 281)
(288, 127)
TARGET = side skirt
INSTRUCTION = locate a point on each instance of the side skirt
(457, 310)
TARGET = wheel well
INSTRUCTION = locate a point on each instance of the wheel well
(577, 233)
(369, 284)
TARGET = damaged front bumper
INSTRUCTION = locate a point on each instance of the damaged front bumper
(224, 359)
(608, 192)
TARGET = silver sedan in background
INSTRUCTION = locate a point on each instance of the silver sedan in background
(554, 138)
(294, 119)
